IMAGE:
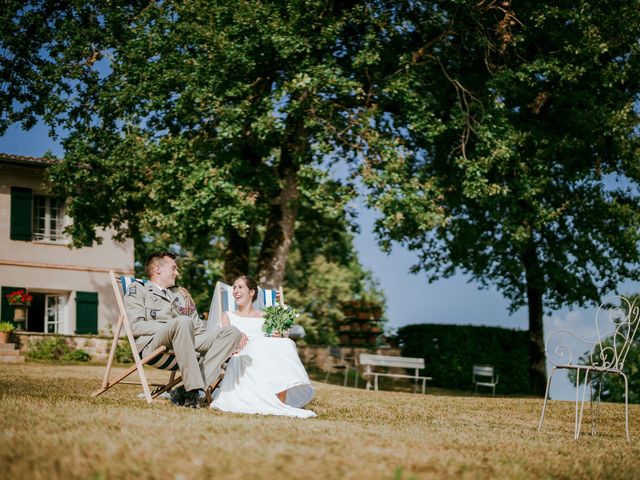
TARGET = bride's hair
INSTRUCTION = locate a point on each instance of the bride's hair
(250, 283)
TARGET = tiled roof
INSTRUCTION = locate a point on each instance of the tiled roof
(24, 160)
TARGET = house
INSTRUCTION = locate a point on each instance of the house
(71, 290)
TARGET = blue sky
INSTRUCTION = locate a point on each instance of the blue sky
(410, 298)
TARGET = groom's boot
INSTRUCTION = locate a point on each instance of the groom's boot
(178, 396)
(209, 391)
(194, 399)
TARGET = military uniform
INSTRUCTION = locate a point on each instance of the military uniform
(169, 317)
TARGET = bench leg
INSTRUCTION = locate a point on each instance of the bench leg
(375, 382)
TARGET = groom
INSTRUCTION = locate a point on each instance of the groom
(163, 314)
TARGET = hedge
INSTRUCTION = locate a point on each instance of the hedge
(450, 351)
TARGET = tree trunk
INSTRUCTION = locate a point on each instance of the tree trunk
(535, 289)
(282, 216)
(236, 256)
(279, 234)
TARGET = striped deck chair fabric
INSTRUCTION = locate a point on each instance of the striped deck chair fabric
(166, 361)
(223, 301)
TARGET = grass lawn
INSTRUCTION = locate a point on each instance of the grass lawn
(51, 428)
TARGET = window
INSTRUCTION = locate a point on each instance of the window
(48, 219)
(54, 315)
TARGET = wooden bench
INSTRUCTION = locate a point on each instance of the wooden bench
(371, 360)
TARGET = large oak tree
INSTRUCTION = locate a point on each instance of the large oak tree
(513, 148)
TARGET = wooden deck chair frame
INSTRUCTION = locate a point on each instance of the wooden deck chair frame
(139, 362)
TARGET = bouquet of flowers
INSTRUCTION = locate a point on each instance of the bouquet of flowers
(278, 318)
(19, 297)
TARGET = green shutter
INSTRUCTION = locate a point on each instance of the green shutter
(21, 213)
(6, 311)
(86, 312)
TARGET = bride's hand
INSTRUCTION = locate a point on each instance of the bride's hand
(276, 334)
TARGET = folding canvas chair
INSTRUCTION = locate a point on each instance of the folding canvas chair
(160, 358)
(223, 301)
(616, 323)
(484, 376)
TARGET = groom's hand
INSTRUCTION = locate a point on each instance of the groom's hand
(243, 342)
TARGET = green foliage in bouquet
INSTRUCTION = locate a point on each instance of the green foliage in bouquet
(278, 318)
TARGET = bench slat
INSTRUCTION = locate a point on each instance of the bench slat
(388, 361)
(396, 375)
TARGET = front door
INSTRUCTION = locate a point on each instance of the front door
(55, 314)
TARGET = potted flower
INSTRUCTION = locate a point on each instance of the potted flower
(5, 330)
(20, 300)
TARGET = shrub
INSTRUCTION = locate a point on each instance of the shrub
(7, 327)
(55, 348)
(123, 353)
(450, 351)
(77, 355)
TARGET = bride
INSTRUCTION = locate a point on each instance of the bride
(266, 376)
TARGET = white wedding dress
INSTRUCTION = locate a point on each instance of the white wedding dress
(264, 367)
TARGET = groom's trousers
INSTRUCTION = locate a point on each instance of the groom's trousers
(215, 347)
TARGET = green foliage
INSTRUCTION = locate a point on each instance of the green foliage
(51, 348)
(450, 351)
(123, 352)
(278, 319)
(508, 147)
(209, 120)
(55, 348)
(7, 327)
(612, 386)
(77, 355)
(319, 286)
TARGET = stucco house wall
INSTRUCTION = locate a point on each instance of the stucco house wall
(51, 270)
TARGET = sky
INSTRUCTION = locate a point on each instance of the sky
(410, 298)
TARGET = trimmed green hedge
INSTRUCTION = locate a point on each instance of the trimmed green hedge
(450, 351)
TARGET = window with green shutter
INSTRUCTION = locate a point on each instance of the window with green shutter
(86, 312)
(21, 213)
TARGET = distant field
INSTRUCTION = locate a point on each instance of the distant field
(52, 429)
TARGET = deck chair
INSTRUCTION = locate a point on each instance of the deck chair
(483, 376)
(223, 301)
(341, 362)
(616, 323)
(160, 358)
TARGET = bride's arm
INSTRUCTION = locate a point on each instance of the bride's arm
(224, 321)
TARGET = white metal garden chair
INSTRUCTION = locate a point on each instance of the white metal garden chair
(616, 323)
(484, 376)
(341, 361)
